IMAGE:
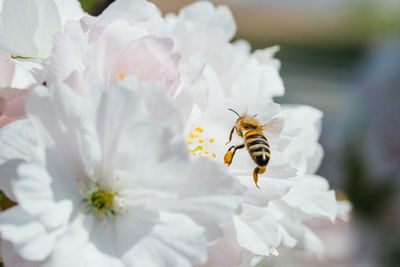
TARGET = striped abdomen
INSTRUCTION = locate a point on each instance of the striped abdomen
(258, 147)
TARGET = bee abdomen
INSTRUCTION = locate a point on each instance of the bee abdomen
(258, 147)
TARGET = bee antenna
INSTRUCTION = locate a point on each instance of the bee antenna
(255, 115)
(234, 111)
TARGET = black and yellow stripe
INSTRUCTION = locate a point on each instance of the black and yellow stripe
(258, 147)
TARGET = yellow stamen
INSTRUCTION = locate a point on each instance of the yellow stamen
(201, 141)
(206, 151)
(212, 140)
(121, 76)
(199, 129)
(213, 154)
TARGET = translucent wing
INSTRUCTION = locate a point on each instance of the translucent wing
(275, 126)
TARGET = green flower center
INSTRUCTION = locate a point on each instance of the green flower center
(101, 201)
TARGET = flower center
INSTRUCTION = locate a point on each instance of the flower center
(199, 143)
(101, 201)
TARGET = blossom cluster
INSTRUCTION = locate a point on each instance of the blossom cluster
(113, 136)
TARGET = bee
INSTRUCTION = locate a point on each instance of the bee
(250, 129)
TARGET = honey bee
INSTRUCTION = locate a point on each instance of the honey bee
(250, 129)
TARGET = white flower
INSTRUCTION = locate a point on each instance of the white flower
(246, 82)
(101, 156)
(107, 178)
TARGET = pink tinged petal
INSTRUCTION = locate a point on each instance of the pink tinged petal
(149, 59)
(12, 105)
(105, 51)
(312, 243)
(12, 258)
(76, 82)
(226, 251)
(14, 101)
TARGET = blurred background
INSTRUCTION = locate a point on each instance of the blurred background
(342, 57)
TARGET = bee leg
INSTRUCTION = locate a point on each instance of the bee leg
(257, 171)
(229, 155)
(230, 136)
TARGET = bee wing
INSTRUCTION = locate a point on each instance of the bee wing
(275, 126)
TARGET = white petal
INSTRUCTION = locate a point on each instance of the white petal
(7, 68)
(210, 197)
(311, 195)
(48, 23)
(344, 209)
(69, 10)
(303, 127)
(17, 143)
(306, 239)
(56, 114)
(28, 236)
(257, 79)
(271, 189)
(259, 236)
(131, 10)
(176, 241)
(27, 27)
(68, 53)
